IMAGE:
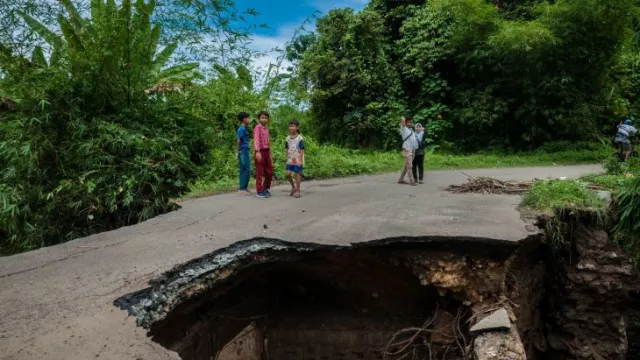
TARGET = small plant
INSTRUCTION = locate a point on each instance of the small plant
(628, 200)
(607, 182)
(613, 166)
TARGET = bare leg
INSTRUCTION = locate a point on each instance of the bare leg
(290, 178)
(627, 155)
(298, 185)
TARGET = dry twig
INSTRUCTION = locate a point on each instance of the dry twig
(486, 185)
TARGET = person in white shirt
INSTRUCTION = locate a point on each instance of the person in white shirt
(409, 146)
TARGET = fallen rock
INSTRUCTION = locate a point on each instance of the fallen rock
(604, 196)
(499, 346)
(497, 321)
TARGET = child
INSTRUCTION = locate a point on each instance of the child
(264, 164)
(418, 159)
(295, 156)
(244, 159)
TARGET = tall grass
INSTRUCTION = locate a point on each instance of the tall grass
(330, 161)
(557, 195)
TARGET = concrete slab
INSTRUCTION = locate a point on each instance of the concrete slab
(56, 303)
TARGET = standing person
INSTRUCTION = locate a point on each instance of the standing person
(244, 158)
(409, 145)
(264, 164)
(295, 156)
(418, 159)
(625, 131)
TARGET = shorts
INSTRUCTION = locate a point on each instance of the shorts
(295, 168)
(624, 143)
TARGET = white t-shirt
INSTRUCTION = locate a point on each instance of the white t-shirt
(411, 143)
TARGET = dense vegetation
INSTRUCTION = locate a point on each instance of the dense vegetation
(621, 218)
(110, 109)
(502, 74)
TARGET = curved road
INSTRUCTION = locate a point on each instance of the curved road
(56, 303)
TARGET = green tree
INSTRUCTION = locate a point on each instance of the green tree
(86, 149)
(353, 80)
(511, 74)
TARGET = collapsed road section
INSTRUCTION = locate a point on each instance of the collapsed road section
(401, 298)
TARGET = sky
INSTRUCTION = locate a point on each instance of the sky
(283, 18)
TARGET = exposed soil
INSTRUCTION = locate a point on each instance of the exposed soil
(399, 299)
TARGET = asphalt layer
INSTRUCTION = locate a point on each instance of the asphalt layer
(57, 302)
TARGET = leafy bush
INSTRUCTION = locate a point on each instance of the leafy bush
(613, 166)
(86, 150)
(628, 201)
(627, 230)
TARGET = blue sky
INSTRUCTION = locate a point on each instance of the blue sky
(283, 17)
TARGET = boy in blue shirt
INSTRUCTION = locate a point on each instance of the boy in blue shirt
(244, 158)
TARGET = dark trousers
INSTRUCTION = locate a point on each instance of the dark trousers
(264, 171)
(418, 167)
(244, 161)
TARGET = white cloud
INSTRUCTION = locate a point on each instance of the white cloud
(268, 46)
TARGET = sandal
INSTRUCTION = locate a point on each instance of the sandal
(401, 182)
(293, 191)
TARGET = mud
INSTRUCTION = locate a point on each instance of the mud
(402, 298)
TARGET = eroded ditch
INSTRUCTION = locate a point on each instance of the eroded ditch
(402, 298)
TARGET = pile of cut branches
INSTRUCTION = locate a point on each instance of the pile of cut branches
(486, 185)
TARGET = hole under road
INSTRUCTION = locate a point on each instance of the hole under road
(402, 298)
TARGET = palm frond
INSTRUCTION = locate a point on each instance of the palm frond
(70, 34)
(74, 16)
(38, 58)
(163, 56)
(49, 36)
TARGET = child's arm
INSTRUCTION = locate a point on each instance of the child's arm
(301, 145)
(256, 143)
(239, 135)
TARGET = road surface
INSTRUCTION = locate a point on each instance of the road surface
(56, 303)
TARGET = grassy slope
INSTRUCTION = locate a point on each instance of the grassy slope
(552, 195)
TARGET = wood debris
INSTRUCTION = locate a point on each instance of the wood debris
(486, 185)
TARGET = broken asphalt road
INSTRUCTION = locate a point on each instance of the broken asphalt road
(56, 303)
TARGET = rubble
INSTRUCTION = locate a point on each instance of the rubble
(498, 320)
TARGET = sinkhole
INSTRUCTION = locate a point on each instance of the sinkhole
(402, 298)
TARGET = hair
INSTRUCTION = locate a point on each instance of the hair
(263, 113)
(623, 119)
(408, 118)
(242, 116)
(294, 122)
